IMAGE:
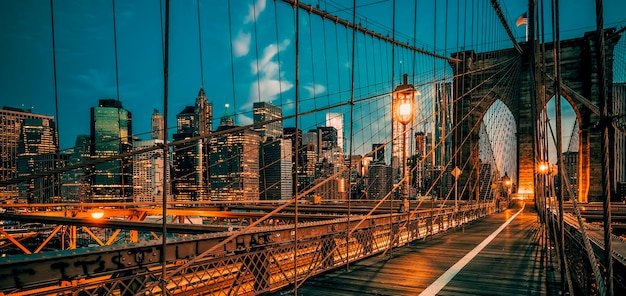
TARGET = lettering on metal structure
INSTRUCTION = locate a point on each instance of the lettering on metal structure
(20, 274)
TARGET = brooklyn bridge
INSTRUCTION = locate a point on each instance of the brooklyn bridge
(286, 147)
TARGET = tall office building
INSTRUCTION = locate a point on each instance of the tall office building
(336, 120)
(157, 125)
(308, 158)
(264, 112)
(203, 110)
(185, 174)
(148, 177)
(275, 170)
(75, 185)
(379, 180)
(36, 153)
(111, 135)
(329, 145)
(37, 135)
(190, 159)
(234, 157)
(379, 153)
(295, 136)
(442, 124)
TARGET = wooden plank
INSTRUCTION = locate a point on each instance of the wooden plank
(512, 264)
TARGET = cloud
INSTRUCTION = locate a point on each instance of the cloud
(269, 84)
(242, 119)
(266, 64)
(315, 89)
(241, 44)
(254, 11)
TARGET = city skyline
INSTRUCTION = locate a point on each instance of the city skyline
(260, 48)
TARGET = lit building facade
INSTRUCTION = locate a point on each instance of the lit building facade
(275, 170)
(157, 125)
(36, 153)
(111, 135)
(75, 184)
(264, 112)
(379, 180)
(234, 158)
(190, 159)
(336, 120)
(148, 178)
(11, 127)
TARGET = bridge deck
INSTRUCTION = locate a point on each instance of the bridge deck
(511, 264)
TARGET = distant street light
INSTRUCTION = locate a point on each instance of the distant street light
(506, 181)
(543, 167)
(404, 100)
(97, 213)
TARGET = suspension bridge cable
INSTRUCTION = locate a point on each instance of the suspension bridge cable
(232, 59)
(200, 45)
(166, 39)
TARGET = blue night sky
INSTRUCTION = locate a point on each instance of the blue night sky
(249, 36)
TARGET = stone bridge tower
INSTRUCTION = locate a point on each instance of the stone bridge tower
(483, 78)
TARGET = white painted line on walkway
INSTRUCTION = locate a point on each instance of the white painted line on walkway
(447, 276)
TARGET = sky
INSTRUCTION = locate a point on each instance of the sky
(247, 51)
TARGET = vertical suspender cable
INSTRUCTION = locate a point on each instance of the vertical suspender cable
(393, 123)
(200, 46)
(541, 202)
(256, 52)
(351, 131)
(117, 89)
(297, 144)
(165, 147)
(565, 277)
(117, 84)
(606, 106)
(558, 141)
(280, 82)
(56, 98)
(232, 60)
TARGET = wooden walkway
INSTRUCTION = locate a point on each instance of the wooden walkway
(512, 263)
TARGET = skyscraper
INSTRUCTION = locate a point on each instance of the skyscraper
(185, 174)
(37, 153)
(37, 135)
(379, 153)
(191, 162)
(379, 180)
(148, 179)
(336, 120)
(442, 124)
(264, 112)
(275, 170)
(75, 184)
(111, 135)
(157, 125)
(234, 157)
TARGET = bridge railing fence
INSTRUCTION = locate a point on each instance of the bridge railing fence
(268, 267)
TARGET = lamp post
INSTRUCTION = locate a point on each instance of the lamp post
(404, 97)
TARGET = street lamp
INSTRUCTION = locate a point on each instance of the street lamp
(507, 184)
(97, 213)
(404, 100)
(506, 180)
